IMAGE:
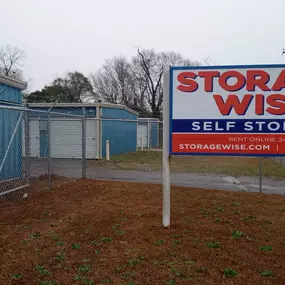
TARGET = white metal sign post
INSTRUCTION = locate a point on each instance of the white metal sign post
(222, 110)
(166, 155)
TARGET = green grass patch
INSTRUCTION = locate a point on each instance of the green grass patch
(213, 245)
(159, 242)
(42, 271)
(266, 248)
(76, 246)
(229, 272)
(17, 276)
(238, 234)
(106, 239)
(266, 273)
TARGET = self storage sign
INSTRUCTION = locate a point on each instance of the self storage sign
(230, 110)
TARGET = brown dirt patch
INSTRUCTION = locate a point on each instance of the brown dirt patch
(111, 232)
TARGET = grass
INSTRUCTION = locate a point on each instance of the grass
(106, 239)
(266, 273)
(229, 272)
(238, 234)
(76, 246)
(42, 271)
(17, 276)
(159, 242)
(266, 248)
(213, 245)
(234, 166)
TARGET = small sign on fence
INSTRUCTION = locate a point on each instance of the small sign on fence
(222, 110)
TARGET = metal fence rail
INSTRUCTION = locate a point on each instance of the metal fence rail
(42, 149)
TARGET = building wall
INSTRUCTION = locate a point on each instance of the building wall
(122, 135)
(8, 120)
(116, 131)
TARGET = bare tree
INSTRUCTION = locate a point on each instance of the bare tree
(10, 61)
(113, 82)
(149, 71)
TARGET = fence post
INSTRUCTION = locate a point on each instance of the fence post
(27, 147)
(83, 144)
(141, 143)
(49, 151)
(148, 134)
(260, 175)
(107, 150)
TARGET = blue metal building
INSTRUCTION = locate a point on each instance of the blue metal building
(112, 122)
(10, 128)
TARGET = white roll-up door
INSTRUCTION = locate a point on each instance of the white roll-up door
(142, 134)
(66, 138)
(34, 138)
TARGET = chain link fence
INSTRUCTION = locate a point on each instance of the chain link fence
(43, 149)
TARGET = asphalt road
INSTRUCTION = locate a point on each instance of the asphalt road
(73, 169)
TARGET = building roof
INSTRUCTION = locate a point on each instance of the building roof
(80, 105)
(13, 82)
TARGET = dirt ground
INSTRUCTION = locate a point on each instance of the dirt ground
(94, 232)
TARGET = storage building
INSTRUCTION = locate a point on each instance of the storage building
(112, 122)
(10, 128)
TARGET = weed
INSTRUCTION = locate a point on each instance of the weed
(236, 213)
(97, 251)
(123, 219)
(187, 231)
(86, 260)
(266, 273)
(76, 246)
(121, 232)
(201, 269)
(262, 226)
(217, 220)
(87, 281)
(16, 276)
(24, 241)
(94, 243)
(42, 271)
(237, 234)
(213, 244)
(84, 268)
(60, 243)
(55, 238)
(133, 262)
(77, 278)
(120, 268)
(176, 271)
(176, 242)
(60, 256)
(170, 282)
(228, 272)
(266, 248)
(176, 236)
(220, 209)
(106, 239)
(159, 242)
(140, 215)
(236, 203)
(129, 274)
(249, 218)
(190, 262)
(35, 235)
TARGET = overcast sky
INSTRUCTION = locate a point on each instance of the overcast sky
(62, 35)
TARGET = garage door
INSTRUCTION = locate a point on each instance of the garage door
(142, 134)
(66, 138)
(34, 138)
